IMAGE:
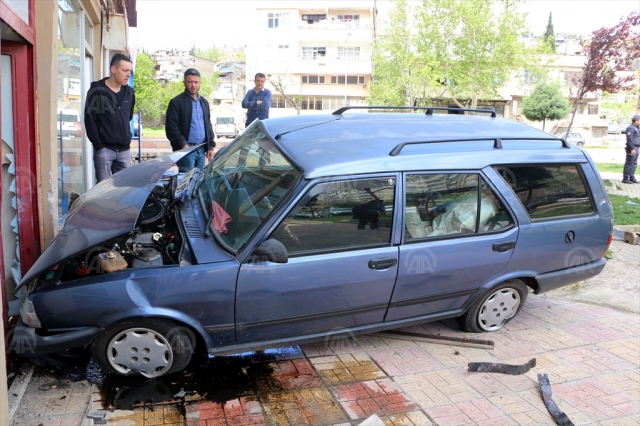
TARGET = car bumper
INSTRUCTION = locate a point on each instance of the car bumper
(552, 280)
(26, 342)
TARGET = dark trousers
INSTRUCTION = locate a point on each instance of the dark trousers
(630, 164)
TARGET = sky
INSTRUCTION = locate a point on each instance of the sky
(166, 24)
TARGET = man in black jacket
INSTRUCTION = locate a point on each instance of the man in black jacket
(107, 113)
(188, 123)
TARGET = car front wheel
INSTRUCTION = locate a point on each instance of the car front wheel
(149, 347)
(493, 311)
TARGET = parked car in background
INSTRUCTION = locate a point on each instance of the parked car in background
(624, 125)
(613, 128)
(226, 126)
(574, 138)
(69, 123)
(446, 216)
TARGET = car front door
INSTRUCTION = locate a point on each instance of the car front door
(458, 234)
(341, 269)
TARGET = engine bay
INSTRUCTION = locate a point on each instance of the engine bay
(157, 240)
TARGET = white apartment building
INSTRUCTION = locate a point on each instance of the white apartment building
(320, 55)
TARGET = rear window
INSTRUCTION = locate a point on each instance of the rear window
(548, 191)
(224, 120)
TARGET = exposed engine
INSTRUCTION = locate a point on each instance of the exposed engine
(157, 240)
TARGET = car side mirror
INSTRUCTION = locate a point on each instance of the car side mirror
(271, 250)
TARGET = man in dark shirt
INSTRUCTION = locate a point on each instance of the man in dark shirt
(632, 149)
(257, 101)
(107, 113)
(188, 123)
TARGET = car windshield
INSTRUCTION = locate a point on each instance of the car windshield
(242, 186)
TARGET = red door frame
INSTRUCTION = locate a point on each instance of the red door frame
(23, 89)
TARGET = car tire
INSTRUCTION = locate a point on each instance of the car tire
(580, 144)
(496, 308)
(147, 346)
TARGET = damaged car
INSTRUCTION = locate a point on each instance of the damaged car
(443, 216)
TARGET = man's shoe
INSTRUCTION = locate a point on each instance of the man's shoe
(625, 180)
(634, 180)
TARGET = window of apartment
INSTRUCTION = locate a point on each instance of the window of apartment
(593, 109)
(529, 77)
(278, 20)
(312, 53)
(283, 46)
(312, 19)
(278, 102)
(348, 53)
(311, 103)
(351, 79)
(348, 18)
(313, 79)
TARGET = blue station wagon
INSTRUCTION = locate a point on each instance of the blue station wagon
(440, 216)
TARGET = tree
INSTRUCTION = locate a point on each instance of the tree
(213, 54)
(281, 84)
(549, 36)
(610, 51)
(546, 102)
(147, 88)
(398, 76)
(472, 46)
(208, 85)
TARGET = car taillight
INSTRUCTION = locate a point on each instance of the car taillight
(28, 314)
(608, 245)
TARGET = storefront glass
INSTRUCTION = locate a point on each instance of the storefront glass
(69, 103)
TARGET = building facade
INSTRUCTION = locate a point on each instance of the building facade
(45, 155)
(314, 55)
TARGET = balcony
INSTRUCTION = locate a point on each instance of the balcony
(336, 31)
(330, 66)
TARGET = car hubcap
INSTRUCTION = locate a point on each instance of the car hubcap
(140, 350)
(498, 308)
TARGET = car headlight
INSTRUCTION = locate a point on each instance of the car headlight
(28, 314)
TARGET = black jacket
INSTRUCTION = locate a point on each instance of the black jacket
(106, 122)
(633, 138)
(178, 121)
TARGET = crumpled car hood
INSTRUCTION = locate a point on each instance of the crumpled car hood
(109, 209)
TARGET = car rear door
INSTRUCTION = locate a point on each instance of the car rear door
(452, 244)
(341, 269)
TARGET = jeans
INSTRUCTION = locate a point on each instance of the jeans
(630, 164)
(195, 159)
(108, 162)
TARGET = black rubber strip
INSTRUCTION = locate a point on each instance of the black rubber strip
(558, 415)
(492, 367)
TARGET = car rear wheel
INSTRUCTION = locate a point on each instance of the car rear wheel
(149, 347)
(580, 144)
(498, 307)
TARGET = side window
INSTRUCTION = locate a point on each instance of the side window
(447, 204)
(548, 191)
(340, 215)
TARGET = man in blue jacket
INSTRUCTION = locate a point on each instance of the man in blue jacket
(257, 101)
(632, 148)
(107, 113)
(188, 123)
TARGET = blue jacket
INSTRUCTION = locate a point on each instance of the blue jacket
(253, 109)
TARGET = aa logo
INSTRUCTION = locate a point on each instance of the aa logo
(20, 342)
(340, 340)
(580, 257)
(420, 262)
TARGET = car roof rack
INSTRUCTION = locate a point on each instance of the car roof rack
(429, 110)
(497, 142)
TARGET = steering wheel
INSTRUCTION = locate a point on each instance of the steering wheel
(431, 201)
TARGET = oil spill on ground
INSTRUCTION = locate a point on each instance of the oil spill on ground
(217, 379)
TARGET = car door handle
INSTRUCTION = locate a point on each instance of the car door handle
(502, 247)
(383, 263)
